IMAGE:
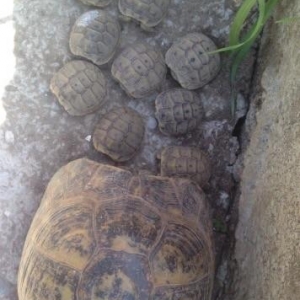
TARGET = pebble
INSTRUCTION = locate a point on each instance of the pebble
(151, 123)
(9, 137)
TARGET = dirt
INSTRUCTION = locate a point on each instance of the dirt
(37, 136)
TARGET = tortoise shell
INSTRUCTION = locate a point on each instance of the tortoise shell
(95, 36)
(102, 233)
(189, 162)
(178, 111)
(100, 3)
(80, 87)
(140, 69)
(119, 133)
(190, 63)
(148, 12)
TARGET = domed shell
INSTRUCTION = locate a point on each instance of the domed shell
(80, 87)
(119, 133)
(99, 3)
(95, 36)
(140, 69)
(149, 13)
(186, 162)
(178, 111)
(102, 233)
(189, 62)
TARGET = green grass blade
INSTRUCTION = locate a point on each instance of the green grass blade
(239, 20)
(253, 32)
(270, 5)
(288, 20)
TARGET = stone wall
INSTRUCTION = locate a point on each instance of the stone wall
(268, 234)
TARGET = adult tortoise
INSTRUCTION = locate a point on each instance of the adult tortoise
(102, 233)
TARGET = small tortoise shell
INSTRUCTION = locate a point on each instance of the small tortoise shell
(190, 63)
(178, 111)
(119, 133)
(140, 70)
(80, 87)
(95, 36)
(99, 3)
(188, 162)
(148, 12)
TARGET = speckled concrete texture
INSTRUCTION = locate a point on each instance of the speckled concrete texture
(268, 235)
(37, 136)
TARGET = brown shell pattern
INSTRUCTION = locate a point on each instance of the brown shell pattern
(102, 233)
(80, 87)
(140, 70)
(148, 12)
(100, 3)
(95, 36)
(119, 133)
(189, 162)
(178, 111)
(189, 62)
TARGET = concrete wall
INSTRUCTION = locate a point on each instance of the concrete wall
(268, 233)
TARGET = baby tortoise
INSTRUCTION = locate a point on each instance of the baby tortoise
(190, 63)
(102, 233)
(95, 36)
(119, 133)
(148, 12)
(140, 69)
(80, 87)
(178, 111)
(99, 3)
(189, 162)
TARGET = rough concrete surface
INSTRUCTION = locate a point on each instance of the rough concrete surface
(268, 234)
(37, 136)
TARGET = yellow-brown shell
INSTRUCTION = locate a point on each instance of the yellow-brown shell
(99, 3)
(102, 233)
(119, 133)
(140, 69)
(187, 162)
(190, 63)
(95, 36)
(80, 87)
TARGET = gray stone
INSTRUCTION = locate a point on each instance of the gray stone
(268, 234)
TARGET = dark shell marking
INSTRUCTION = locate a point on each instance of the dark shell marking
(95, 36)
(178, 111)
(148, 12)
(80, 87)
(112, 235)
(189, 62)
(119, 133)
(189, 162)
(140, 69)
